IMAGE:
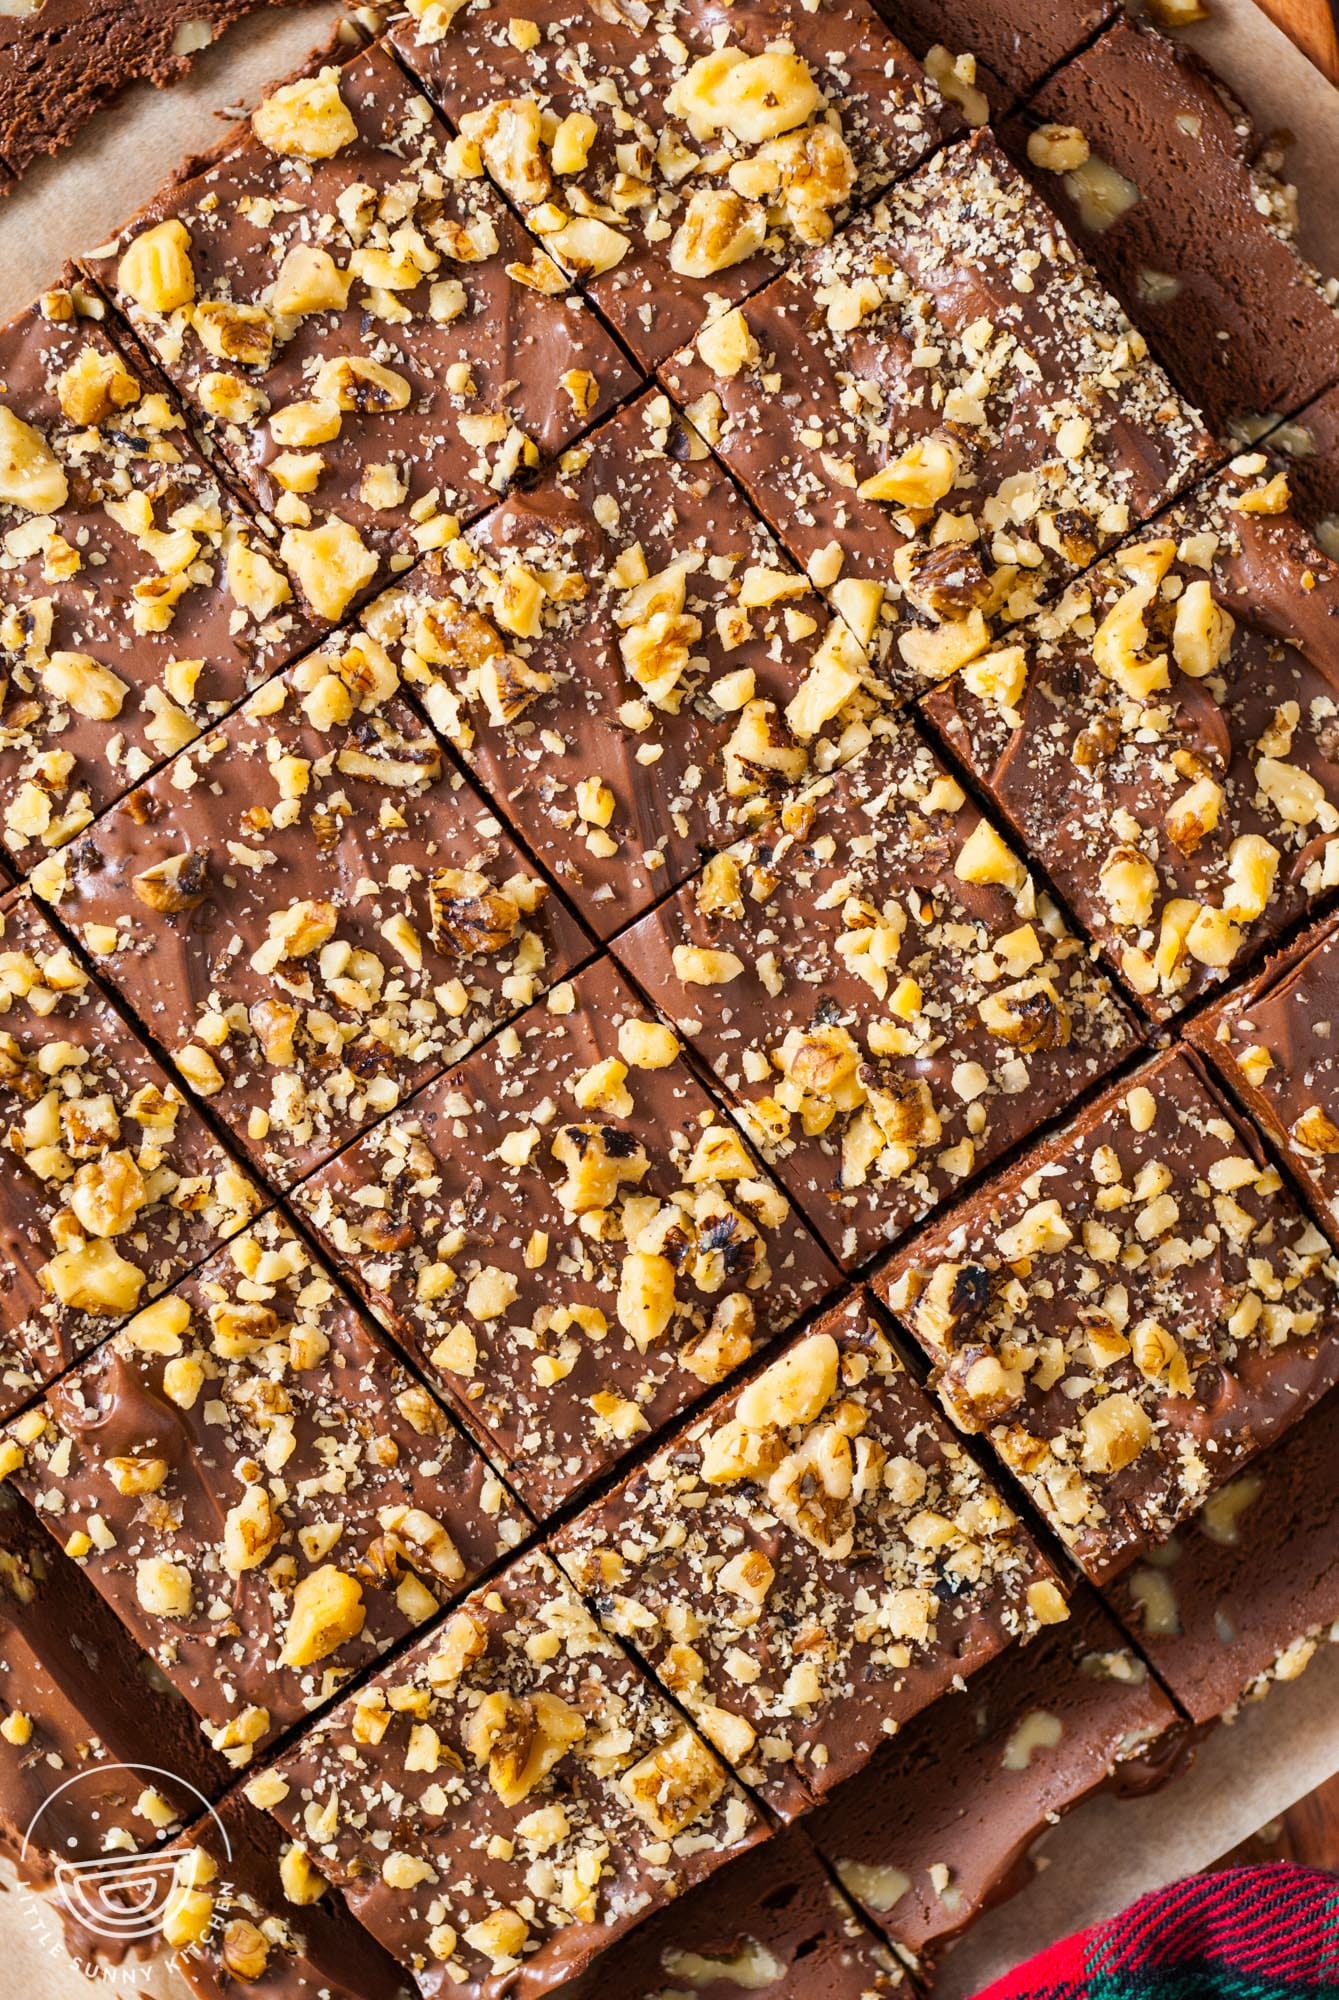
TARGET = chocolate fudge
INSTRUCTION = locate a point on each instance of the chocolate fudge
(1129, 1313)
(1015, 41)
(509, 1797)
(263, 1494)
(312, 910)
(367, 333)
(673, 157)
(939, 1826)
(1309, 447)
(1245, 1591)
(114, 1186)
(944, 403)
(237, 1916)
(569, 1236)
(882, 991)
(1157, 171)
(773, 1923)
(628, 663)
(1167, 737)
(812, 1562)
(1271, 1043)
(137, 603)
(80, 1709)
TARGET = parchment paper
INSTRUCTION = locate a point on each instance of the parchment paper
(1109, 1850)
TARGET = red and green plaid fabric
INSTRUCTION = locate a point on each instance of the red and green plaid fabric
(1269, 1933)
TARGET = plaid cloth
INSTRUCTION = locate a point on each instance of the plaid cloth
(1269, 1933)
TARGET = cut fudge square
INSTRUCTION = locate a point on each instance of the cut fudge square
(137, 603)
(628, 662)
(939, 1827)
(944, 402)
(1272, 1044)
(1129, 1313)
(1015, 41)
(771, 1924)
(312, 910)
(371, 337)
(1246, 1590)
(1167, 737)
(1159, 173)
(113, 1185)
(509, 1797)
(569, 1235)
(83, 1714)
(812, 1562)
(264, 1495)
(672, 158)
(882, 991)
(1309, 446)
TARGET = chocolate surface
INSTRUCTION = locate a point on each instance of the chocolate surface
(1017, 41)
(951, 351)
(882, 991)
(113, 1185)
(938, 1826)
(1129, 1313)
(628, 662)
(510, 1797)
(812, 1562)
(262, 1493)
(1309, 445)
(313, 910)
(1167, 737)
(673, 156)
(137, 602)
(569, 1236)
(372, 339)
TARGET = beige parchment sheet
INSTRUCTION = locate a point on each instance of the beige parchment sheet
(1108, 1851)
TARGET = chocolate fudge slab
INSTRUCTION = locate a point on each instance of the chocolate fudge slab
(509, 1797)
(137, 603)
(113, 1185)
(569, 1236)
(951, 352)
(938, 1827)
(1015, 42)
(674, 158)
(1248, 1588)
(1271, 1044)
(772, 1924)
(264, 1495)
(1187, 225)
(367, 333)
(883, 993)
(1309, 446)
(630, 665)
(812, 1562)
(79, 1702)
(1129, 1313)
(312, 910)
(1167, 737)
(232, 1921)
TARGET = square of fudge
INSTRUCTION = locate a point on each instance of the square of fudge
(263, 1493)
(1127, 1314)
(812, 1562)
(137, 602)
(1167, 737)
(1309, 446)
(674, 159)
(1247, 1590)
(366, 331)
(1014, 43)
(312, 910)
(569, 1235)
(98, 1755)
(939, 1826)
(1156, 169)
(945, 403)
(882, 990)
(508, 1797)
(628, 662)
(1271, 1043)
(114, 1186)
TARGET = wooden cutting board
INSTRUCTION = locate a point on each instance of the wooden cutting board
(1309, 23)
